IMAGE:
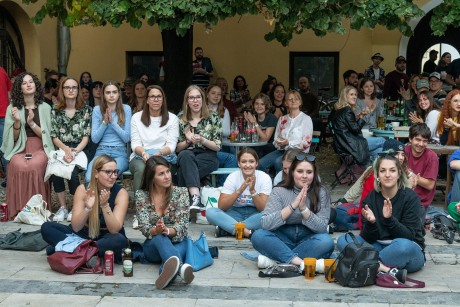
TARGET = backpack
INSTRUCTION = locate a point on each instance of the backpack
(357, 264)
(444, 228)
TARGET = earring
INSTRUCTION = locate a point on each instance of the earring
(378, 181)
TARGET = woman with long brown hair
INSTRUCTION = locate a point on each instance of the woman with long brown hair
(98, 212)
(449, 119)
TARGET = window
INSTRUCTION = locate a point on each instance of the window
(321, 68)
(139, 62)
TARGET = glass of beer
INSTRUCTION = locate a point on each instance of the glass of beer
(381, 122)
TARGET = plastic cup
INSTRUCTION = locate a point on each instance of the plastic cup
(329, 268)
(310, 267)
(239, 230)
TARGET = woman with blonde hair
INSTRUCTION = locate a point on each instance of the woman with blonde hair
(200, 137)
(98, 212)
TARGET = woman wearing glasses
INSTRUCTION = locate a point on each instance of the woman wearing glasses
(391, 220)
(70, 130)
(295, 219)
(293, 130)
(26, 132)
(243, 198)
(98, 212)
(163, 214)
(111, 127)
(200, 137)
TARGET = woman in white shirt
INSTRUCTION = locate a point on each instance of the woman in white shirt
(154, 131)
(294, 130)
(427, 112)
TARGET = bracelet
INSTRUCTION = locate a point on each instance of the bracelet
(255, 194)
(88, 210)
(104, 123)
(256, 125)
(168, 231)
(34, 125)
(304, 210)
(291, 207)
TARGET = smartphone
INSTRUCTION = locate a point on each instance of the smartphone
(196, 131)
(28, 156)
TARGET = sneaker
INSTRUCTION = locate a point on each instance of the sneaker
(186, 273)
(200, 219)
(170, 268)
(220, 232)
(61, 215)
(399, 274)
(69, 217)
(135, 222)
(264, 262)
(196, 203)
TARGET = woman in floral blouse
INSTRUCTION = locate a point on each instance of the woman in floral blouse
(200, 137)
(163, 213)
(293, 130)
(70, 130)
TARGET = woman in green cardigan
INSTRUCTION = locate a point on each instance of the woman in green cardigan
(26, 143)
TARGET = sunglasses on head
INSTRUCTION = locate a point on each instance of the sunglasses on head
(389, 152)
(305, 157)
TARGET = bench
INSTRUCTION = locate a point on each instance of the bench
(221, 171)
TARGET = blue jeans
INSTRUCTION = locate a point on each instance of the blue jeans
(273, 159)
(119, 153)
(226, 160)
(455, 191)
(401, 253)
(375, 145)
(160, 248)
(289, 241)
(227, 219)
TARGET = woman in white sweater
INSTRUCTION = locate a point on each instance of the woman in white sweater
(427, 112)
(154, 131)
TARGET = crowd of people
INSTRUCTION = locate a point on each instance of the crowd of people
(97, 127)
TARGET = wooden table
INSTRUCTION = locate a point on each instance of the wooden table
(445, 150)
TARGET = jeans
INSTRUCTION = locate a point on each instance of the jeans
(289, 241)
(375, 146)
(119, 153)
(53, 233)
(401, 253)
(227, 219)
(160, 248)
(272, 159)
(226, 160)
(455, 191)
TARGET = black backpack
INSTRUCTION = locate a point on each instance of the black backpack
(357, 264)
(444, 228)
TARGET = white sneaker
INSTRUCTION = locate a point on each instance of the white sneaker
(69, 217)
(200, 219)
(61, 215)
(264, 262)
(186, 273)
(135, 223)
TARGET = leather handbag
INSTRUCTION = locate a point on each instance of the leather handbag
(24, 241)
(71, 263)
(198, 255)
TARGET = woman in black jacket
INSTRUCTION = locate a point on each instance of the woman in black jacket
(348, 137)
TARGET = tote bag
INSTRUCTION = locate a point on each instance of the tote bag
(34, 213)
(198, 255)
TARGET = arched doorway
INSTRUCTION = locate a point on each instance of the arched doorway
(424, 39)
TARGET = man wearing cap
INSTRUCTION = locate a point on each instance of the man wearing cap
(430, 65)
(376, 73)
(423, 162)
(436, 90)
(127, 89)
(396, 80)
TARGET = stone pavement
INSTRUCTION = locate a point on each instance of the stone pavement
(27, 280)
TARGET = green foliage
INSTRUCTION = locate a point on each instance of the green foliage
(288, 17)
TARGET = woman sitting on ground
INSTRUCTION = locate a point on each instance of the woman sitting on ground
(26, 143)
(98, 212)
(243, 197)
(295, 219)
(163, 214)
(111, 127)
(428, 113)
(200, 137)
(391, 220)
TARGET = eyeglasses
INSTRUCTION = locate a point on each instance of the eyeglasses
(293, 99)
(70, 88)
(193, 98)
(155, 97)
(303, 157)
(110, 172)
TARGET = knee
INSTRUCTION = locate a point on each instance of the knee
(259, 236)
(185, 156)
(452, 208)
(326, 242)
(212, 212)
(47, 228)
(401, 246)
(342, 242)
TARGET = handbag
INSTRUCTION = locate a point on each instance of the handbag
(210, 196)
(197, 254)
(23, 241)
(357, 264)
(390, 281)
(71, 263)
(34, 213)
(282, 270)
